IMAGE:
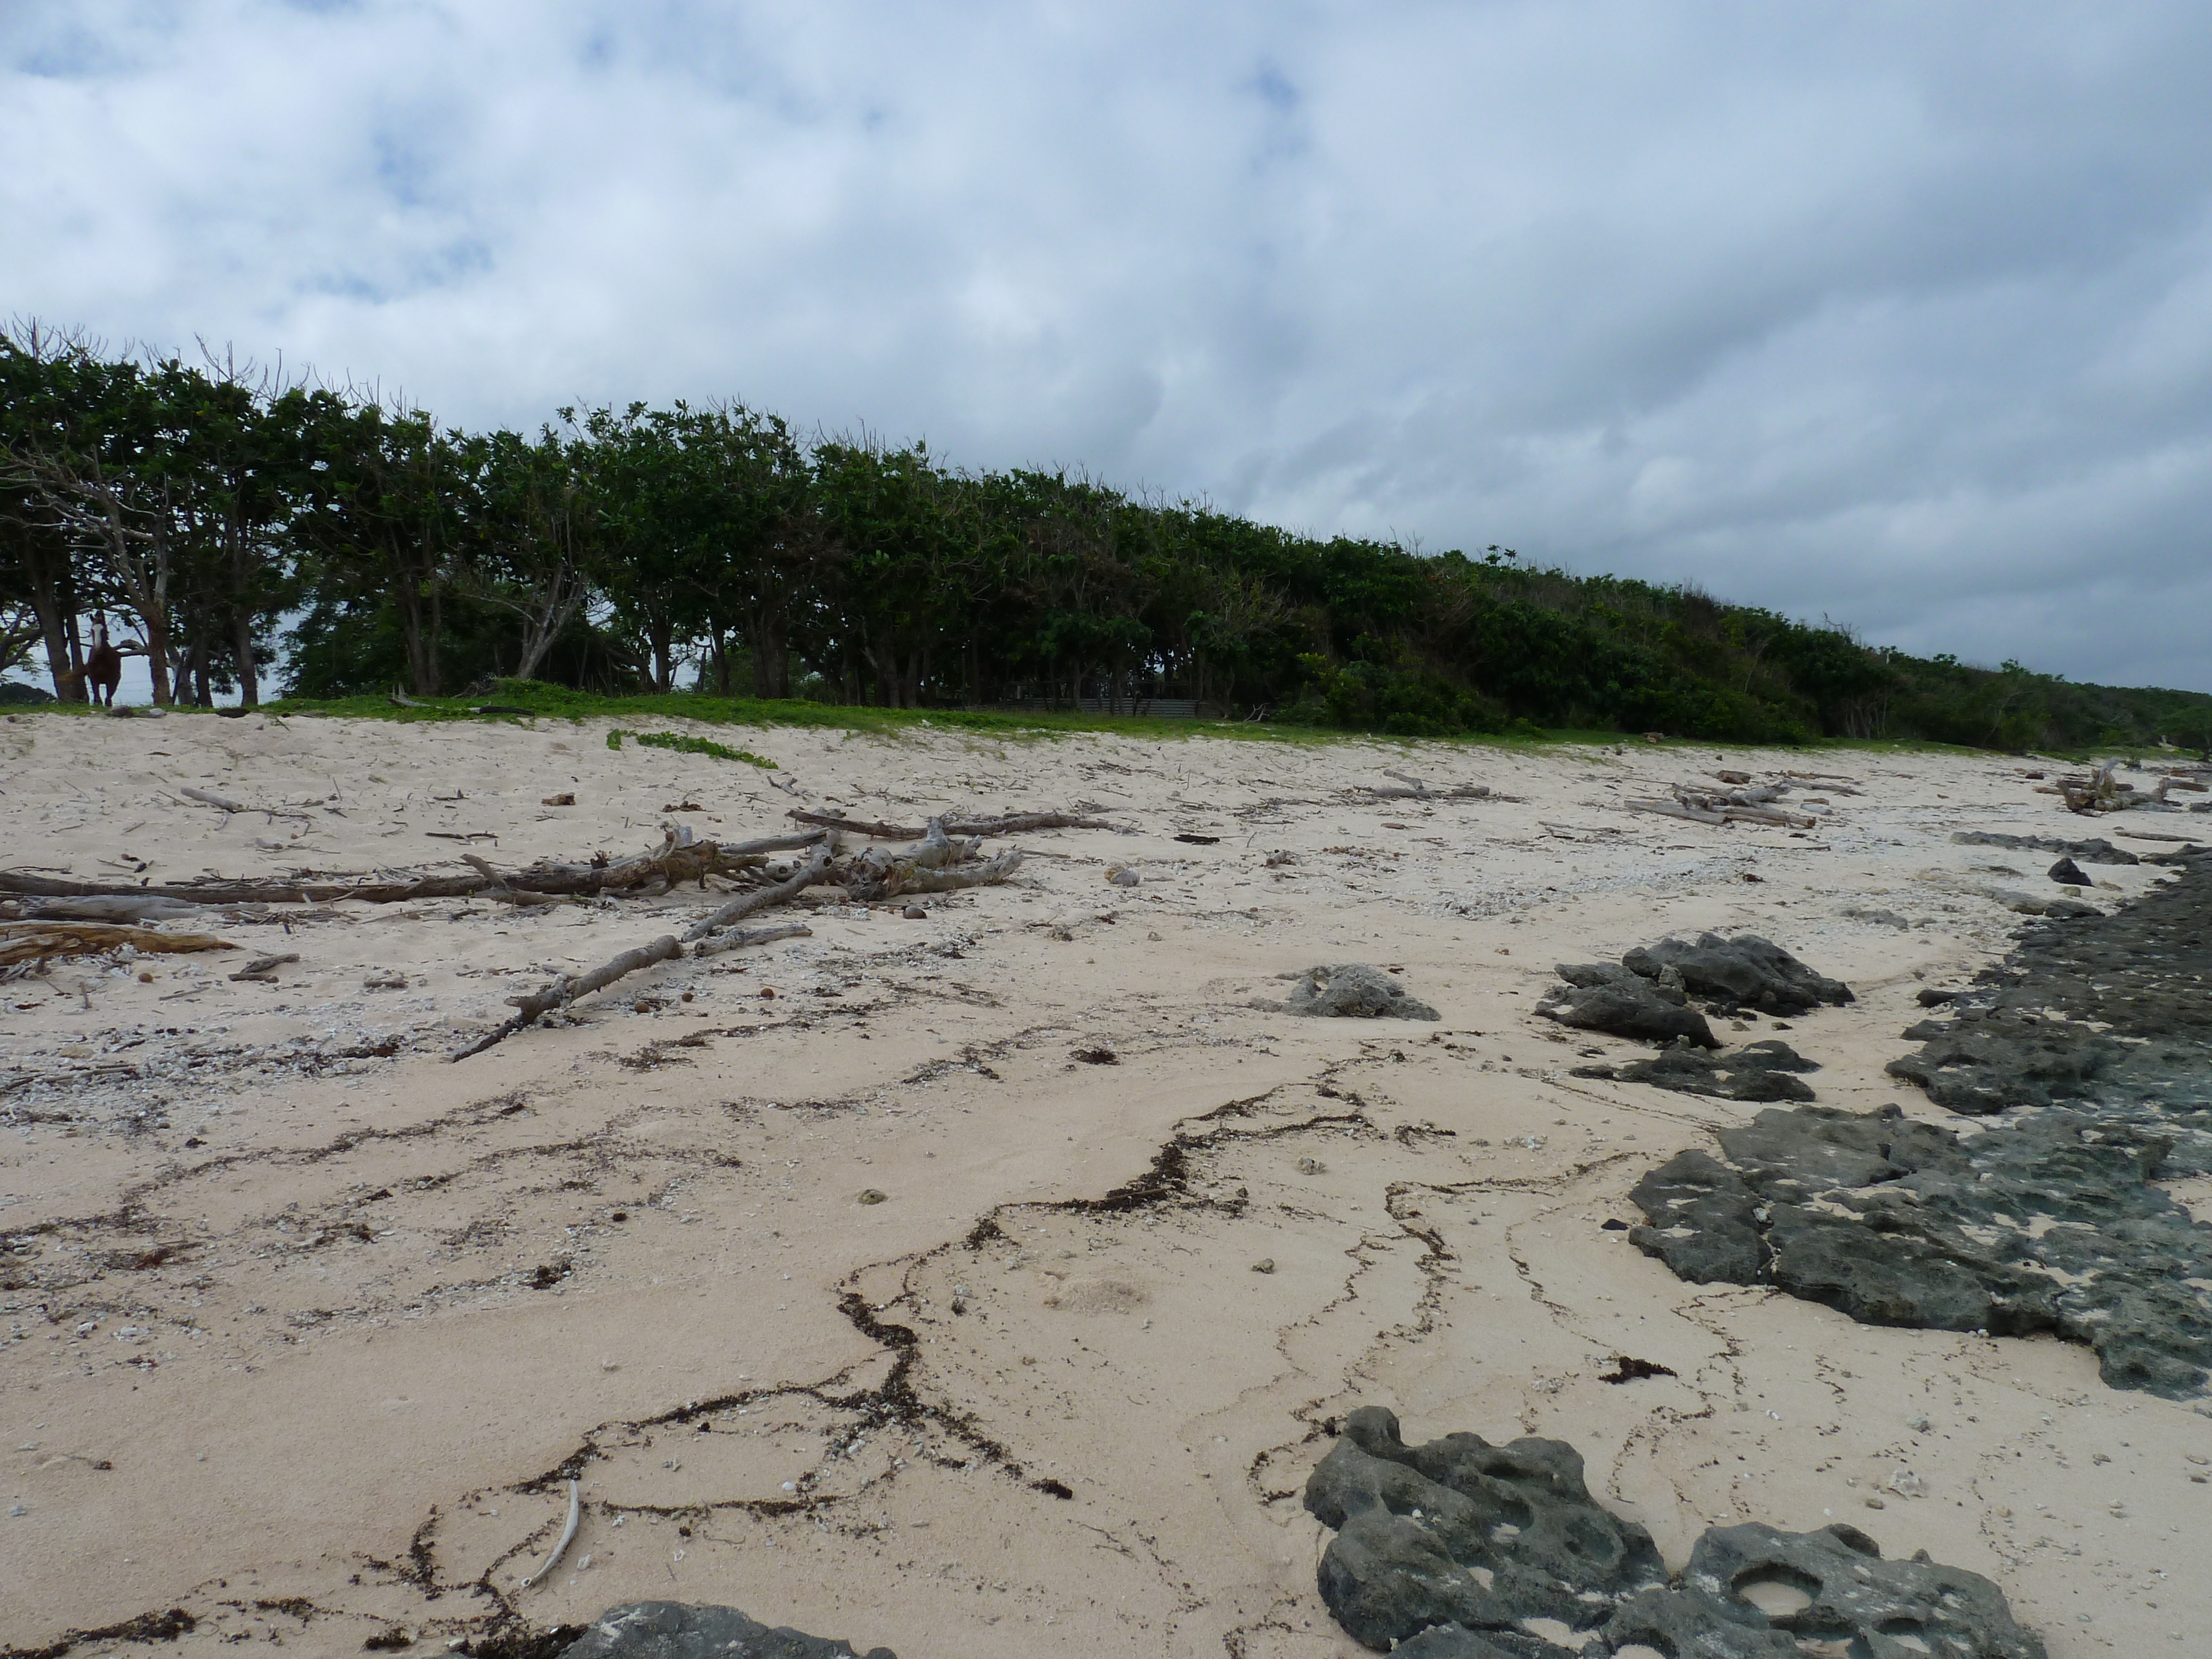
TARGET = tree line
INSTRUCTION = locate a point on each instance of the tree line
(255, 534)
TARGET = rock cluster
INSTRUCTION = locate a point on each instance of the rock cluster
(1646, 994)
(2089, 1047)
(1459, 1549)
(1758, 1071)
(1353, 990)
(2050, 1224)
(676, 1630)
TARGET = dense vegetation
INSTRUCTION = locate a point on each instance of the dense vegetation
(214, 511)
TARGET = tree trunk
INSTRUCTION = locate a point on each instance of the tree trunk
(249, 677)
(62, 661)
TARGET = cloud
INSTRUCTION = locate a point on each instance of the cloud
(1897, 314)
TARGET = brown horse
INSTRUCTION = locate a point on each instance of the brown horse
(103, 664)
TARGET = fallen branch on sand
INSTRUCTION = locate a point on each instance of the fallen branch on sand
(29, 941)
(680, 858)
(529, 1010)
(1009, 824)
(1700, 805)
(209, 798)
(762, 898)
(738, 941)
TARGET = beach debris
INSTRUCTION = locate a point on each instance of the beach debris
(568, 987)
(1266, 1264)
(1005, 824)
(1349, 990)
(871, 1196)
(567, 1535)
(1702, 804)
(264, 968)
(52, 938)
(1757, 1072)
(566, 798)
(677, 1630)
(1626, 1368)
(1409, 787)
(2099, 789)
(1459, 1549)
(1099, 1055)
(744, 936)
(680, 858)
(118, 906)
(1121, 875)
(209, 798)
(1199, 841)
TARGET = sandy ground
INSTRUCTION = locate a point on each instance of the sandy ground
(306, 1327)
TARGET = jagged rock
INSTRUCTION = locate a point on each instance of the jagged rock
(1629, 1006)
(2070, 874)
(1899, 1223)
(1746, 971)
(1830, 1587)
(1459, 1531)
(1756, 1071)
(1353, 990)
(1453, 1549)
(2098, 851)
(675, 1629)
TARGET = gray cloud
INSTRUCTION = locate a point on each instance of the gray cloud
(1898, 315)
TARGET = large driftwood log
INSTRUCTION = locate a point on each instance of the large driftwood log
(529, 1010)
(679, 859)
(1008, 824)
(29, 941)
(118, 906)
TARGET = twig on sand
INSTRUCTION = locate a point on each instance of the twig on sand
(567, 1535)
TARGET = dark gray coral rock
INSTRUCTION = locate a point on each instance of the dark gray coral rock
(1455, 1549)
(2048, 1226)
(2091, 1048)
(1744, 972)
(1627, 1006)
(677, 1630)
(1758, 1071)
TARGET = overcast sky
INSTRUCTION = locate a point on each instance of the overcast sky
(1899, 314)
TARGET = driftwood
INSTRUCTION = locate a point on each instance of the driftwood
(743, 936)
(1009, 824)
(265, 967)
(979, 874)
(118, 906)
(529, 1010)
(1671, 809)
(29, 941)
(209, 798)
(762, 898)
(680, 858)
